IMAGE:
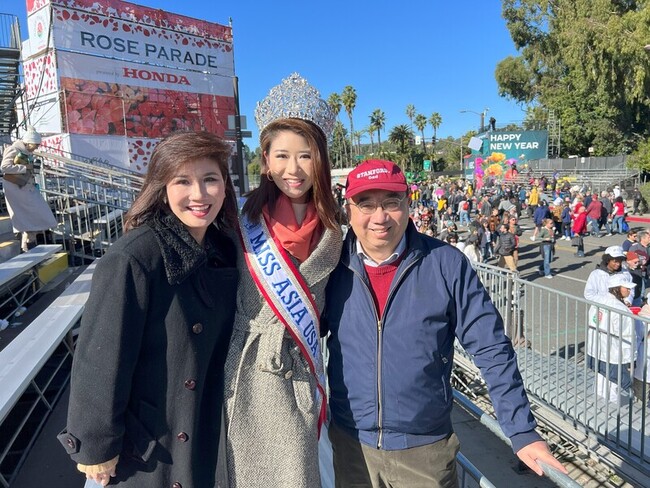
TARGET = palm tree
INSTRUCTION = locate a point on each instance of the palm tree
(371, 130)
(334, 101)
(349, 101)
(400, 135)
(358, 135)
(421, 122)
(378, 121)
(435, 120)
(410, 113)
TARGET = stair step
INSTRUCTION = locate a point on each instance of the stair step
(5, 225)
(9, 249)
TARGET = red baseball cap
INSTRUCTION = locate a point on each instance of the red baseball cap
(375, 174)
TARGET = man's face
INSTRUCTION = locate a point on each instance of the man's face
(380, 231)
(645, 240)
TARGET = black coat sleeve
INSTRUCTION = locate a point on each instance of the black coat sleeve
(105, 359)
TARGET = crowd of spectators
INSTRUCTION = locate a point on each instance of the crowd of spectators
(485, 224)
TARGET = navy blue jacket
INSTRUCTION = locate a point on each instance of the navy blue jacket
(389, 379)
(540, 214)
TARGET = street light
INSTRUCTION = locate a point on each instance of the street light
(482, 114)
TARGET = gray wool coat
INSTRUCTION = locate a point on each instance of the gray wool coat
(147, 377)
(271, 410)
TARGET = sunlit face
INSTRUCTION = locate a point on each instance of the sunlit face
(625, 291)
(289, 162)
(380, 232)
(195, 195)
(614, 265)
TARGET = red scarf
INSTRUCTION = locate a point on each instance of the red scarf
(298, 240)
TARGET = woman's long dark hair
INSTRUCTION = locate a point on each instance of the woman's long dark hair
(167, 159)
(321, 191)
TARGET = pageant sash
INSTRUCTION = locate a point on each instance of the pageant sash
(286, 292)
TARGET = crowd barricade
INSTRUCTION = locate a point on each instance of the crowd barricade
(554, 335)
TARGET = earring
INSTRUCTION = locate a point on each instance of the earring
(165, 199)
(269, 177)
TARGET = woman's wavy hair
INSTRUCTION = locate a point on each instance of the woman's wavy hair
(321, 191)
(167, 159)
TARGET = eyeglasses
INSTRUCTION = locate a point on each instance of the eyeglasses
(369, 207)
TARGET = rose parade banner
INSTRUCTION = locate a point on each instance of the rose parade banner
(132, 72)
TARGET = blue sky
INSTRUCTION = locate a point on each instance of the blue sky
(438, 55)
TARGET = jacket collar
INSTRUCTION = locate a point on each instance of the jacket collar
(181, 254)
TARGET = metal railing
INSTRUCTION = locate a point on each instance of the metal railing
(89, 202)
(550, 330)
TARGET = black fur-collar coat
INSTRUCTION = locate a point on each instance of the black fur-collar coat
(147, 375)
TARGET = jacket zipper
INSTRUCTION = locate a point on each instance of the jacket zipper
(379, 344)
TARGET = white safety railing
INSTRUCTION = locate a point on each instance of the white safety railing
(550, 331)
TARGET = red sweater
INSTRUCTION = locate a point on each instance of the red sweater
(380, 279)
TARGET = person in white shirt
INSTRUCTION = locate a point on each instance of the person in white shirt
(596, 286)
(610, 349)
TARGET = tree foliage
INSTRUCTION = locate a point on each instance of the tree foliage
(378, 122)
(585, 60)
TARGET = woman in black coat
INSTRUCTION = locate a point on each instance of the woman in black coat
(147, 378)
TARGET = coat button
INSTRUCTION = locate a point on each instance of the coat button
(288, 374)
(197, 328)
(190, 384)
(177, 485)
(182, 436)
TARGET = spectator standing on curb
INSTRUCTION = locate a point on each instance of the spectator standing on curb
(540, 214)
(402, 435)
(533, 201)
(515, 229)
(565, 218)
(618, 216)
(29, 212)
(594, 212)
(547, 245)
(607, 213)
(505, 248)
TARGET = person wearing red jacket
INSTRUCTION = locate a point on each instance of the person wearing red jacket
(594, 212)
(578, 228)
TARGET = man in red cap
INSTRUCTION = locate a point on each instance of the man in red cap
(395, 304)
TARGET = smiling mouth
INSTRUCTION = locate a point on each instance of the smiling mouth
(293, 183)
(200, 210)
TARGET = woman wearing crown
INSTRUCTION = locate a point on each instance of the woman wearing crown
(291, 242)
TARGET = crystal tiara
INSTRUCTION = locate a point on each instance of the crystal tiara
(294, 98)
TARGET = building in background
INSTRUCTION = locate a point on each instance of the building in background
(107, 79)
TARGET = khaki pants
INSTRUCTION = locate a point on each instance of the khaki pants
(359, 466)
(509, 262)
